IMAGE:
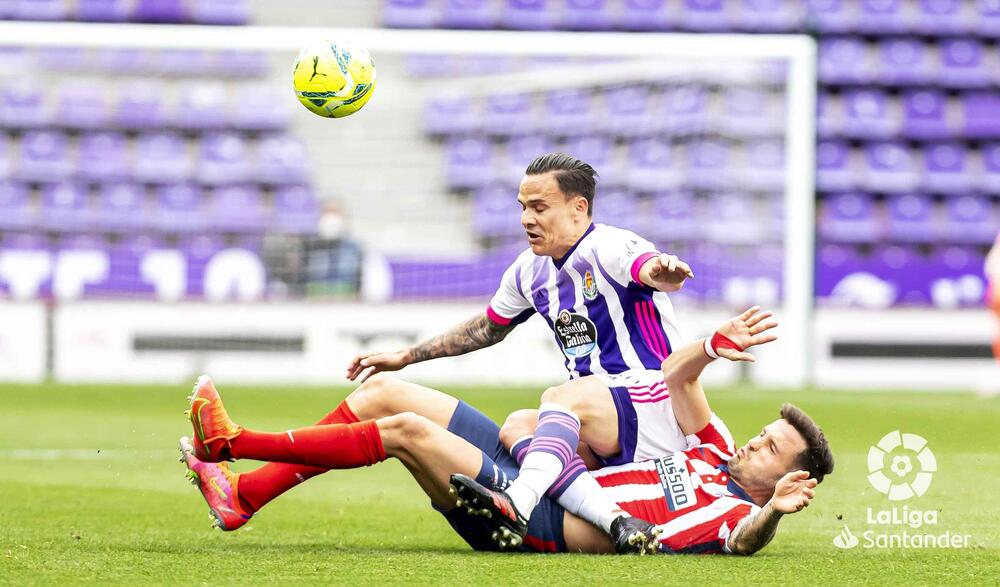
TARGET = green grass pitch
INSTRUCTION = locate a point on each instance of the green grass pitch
(90, 491)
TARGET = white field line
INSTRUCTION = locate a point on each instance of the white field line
(83, 454)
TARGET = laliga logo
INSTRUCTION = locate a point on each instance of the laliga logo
(892, 462)
(845, 539)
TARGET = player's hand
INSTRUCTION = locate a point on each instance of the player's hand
(368, 364)
(793, 492)
(668, 271)
(747, 330)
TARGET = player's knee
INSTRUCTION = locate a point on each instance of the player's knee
(564, 395)
(412, 427)
(374, 398)
(518, 425)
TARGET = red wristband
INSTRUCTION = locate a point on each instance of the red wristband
(719, 341)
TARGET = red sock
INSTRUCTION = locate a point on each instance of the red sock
(331, 446)
(265, 483)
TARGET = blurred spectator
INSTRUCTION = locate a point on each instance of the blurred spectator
(333, 258)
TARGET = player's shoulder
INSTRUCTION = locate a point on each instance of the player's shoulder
(606, 235)
(526, 257)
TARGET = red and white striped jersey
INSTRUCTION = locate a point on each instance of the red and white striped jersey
(688, 494)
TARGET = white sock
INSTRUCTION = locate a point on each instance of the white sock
(538, 472)
(586, 498)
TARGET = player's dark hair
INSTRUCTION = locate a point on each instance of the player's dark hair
(575, 178)
(817, 458)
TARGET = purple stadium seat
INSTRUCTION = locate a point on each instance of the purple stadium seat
(22, 105)
(626, 111)
(648, 15)
(569, 113)
(224, 12)
(836, 169)
(987, 18)
(65, 207)
(771, 16)
(262, 107)
(521, 151)
(706, 15)
(45, 156)
(708, 165)
(750, 112)
(160, 11)
(943, 17)
(588, 15)
(6, 158)
(495, 214)
(68, 59)
(281, 159)
(927, 115)
(869, 115)
(469, 14)
(881, 17)
(849, 218)
(829, 115)
(237, 208)
(418, 14)
(763, 167)
(831, 16)
(675, 216)
(16, 209)
(911, 218)
(957, 276)
(971, 219)
(180, 208)
(616, 207)
(981, 112)
(905, 62)
(181, 62)
(41, 10)
(240, 64)
(510, 115)
(470, 163)
(103, 156)
(963, 64)
(202, 106)
(83, 105)
(529, 14)
(653, 166)
(122, 208)
(119, 61)
(734, 218)
(162, 158)
(598, 152)
(103, 10)
(845, 60)
(296, 210)
(947, 169)
(907, 270)
(223, 158)
(682, 110)
(990, 180)
(890, 167)
(450, 115)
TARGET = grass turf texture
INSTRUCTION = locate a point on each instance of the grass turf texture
(110, 504)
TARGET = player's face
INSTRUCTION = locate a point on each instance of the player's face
(550, 219)
(767, 457)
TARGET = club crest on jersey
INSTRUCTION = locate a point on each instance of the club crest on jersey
(676, 481)
(589, 286)
(576, 333)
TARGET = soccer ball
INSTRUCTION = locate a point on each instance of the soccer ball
(333, 80)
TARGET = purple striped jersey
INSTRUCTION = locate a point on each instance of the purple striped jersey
(604, 319)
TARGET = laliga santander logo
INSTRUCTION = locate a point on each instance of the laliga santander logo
(901, 466)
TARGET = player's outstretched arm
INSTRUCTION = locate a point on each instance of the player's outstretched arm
(476, 333)
(792, 494)
(683, 367)
(666, 273)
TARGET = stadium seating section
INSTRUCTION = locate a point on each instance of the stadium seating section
(908, 117)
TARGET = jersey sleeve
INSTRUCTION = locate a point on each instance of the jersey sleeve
(509, 305)
(730, 521)
(710, 536)
(622, 253)
(715, 435)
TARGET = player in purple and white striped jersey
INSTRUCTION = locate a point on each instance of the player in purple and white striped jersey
(603, 292)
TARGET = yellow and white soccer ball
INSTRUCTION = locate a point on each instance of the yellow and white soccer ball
(332, 79)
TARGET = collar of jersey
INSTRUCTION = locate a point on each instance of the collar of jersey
(559, 263)
(733, 487)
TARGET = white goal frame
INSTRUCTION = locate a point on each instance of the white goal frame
(794, 366)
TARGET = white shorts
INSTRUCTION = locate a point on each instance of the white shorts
(647, 427)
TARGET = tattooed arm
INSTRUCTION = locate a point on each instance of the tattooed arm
(476, 333)
(791, 494)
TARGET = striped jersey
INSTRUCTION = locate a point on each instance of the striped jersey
(604, 319)
(688, 495)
